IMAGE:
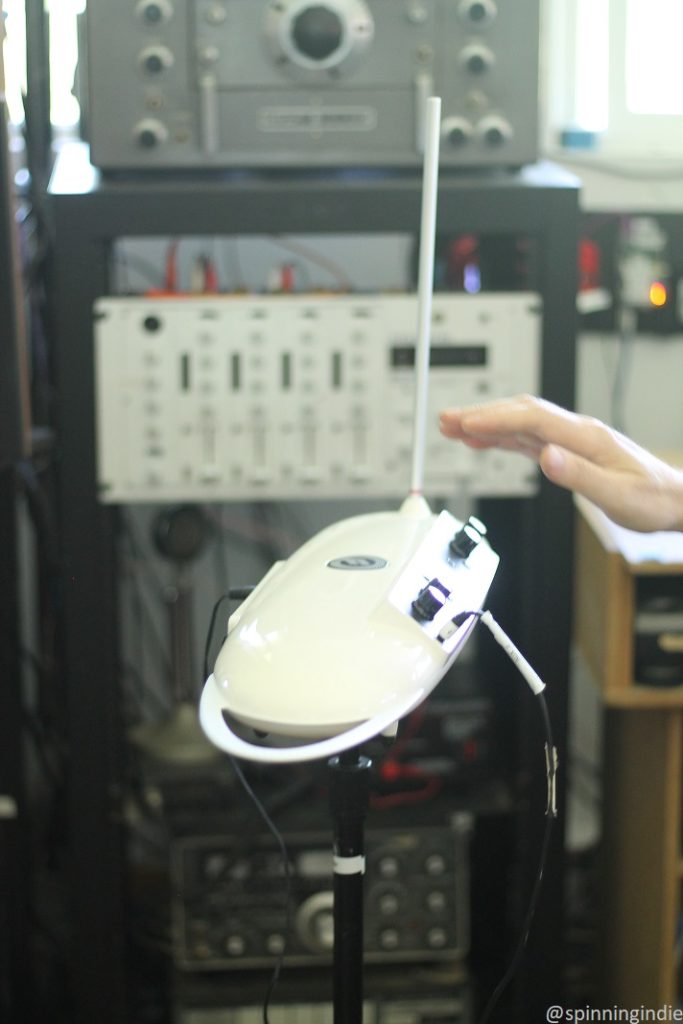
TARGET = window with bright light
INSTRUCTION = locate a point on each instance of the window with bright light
(14, 57)
(592, 64)
(64, 107)
(63, 20)
(615, 68)
(654, 70)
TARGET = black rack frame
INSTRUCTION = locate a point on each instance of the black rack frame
(88, 212)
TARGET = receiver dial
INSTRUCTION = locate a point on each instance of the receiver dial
(318, 41)
(315, 922)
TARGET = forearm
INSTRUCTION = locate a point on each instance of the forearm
(632, 486)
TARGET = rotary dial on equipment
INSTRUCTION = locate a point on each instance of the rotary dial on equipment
(318, 41)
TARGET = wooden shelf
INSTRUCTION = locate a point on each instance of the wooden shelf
(642, 845)
(636, 696)
(608, 562)
(640, 875)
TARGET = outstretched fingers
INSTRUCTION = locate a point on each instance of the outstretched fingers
(528, 424)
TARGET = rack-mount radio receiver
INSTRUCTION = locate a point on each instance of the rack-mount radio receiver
(298, 83)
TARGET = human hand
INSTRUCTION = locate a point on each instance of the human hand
(631, 485)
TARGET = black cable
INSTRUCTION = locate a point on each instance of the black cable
(240, 593)
(288, 881)
(42, 731)
(535, 892)
(210, 630)
(537, 687)
(234, 594)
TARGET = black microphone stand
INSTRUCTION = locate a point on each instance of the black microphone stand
(349, 775)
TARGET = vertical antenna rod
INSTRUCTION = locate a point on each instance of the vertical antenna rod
(424, 289)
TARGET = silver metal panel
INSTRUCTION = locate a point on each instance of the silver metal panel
(228, 83)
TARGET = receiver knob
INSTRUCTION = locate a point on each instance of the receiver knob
(154, 12)
(316, 40)
(315, 922)
(477, 59)
(155, 59)
(318, 32)
(150, 133)
(478, 12)
(495, 131)
(456, 131)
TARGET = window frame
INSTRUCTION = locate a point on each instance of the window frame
(643, 135)
(572, 83)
